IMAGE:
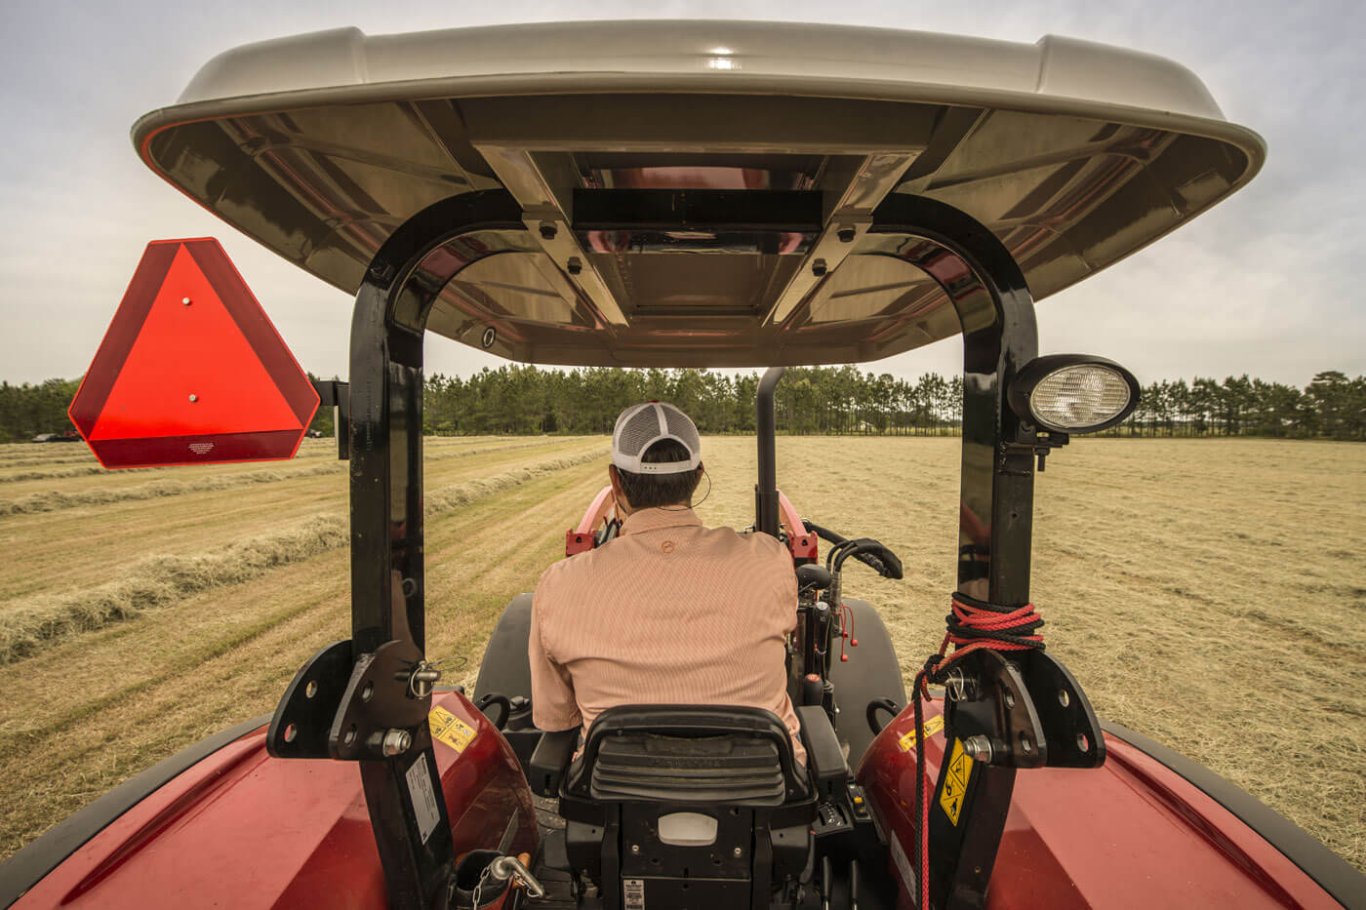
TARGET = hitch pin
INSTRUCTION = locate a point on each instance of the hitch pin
(510, 867)
(424, 678)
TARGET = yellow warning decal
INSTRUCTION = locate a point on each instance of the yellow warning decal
(450, 729)
(956, 782)
(927, 729)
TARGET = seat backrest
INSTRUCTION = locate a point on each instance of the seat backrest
(689, 753)
(680, 805)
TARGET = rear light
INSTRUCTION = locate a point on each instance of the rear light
(1073, 393)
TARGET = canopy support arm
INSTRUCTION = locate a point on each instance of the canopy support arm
(994, 306)
(765, 429)
(362, 700)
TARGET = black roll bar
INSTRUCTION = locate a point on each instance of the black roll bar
(363, 707)
(1003, 698)
(356, 700)
(765, 430)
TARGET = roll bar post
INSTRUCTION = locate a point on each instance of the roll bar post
(765, 430)
(362, 700)
(1004, 700)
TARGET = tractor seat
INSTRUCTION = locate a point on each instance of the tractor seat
(687, 805)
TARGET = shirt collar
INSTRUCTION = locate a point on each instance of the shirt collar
(656, 519)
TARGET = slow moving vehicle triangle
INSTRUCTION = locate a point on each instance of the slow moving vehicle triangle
(191, 369)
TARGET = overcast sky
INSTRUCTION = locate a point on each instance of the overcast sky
(1267, 283)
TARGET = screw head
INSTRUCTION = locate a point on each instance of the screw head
(819, 268)
(575, 265)
(193, 398)
(737, 852)
(548, 231)
(846, 235)
(184, 301)
(635, 848)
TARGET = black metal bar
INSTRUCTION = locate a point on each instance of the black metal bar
(797, 211)
(987, 289)
(766, 429)
(334, 394)
(387, 573)
(378, 719)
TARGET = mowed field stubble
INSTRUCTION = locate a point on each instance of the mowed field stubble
(1208, 593)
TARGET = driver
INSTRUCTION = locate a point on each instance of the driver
(669, 612)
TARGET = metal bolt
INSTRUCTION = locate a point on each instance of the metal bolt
(846, 235)
(1010, 700)
(819, 268)
(396, 742)
(737, 852)
(575, 265)
(185, 301)
(978, 748)
(548, 231)
(635, 848)
(193, 398)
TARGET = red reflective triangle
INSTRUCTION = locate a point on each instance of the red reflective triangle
(191, 370)
(178, 382)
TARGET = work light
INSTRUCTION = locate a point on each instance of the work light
(1073, 393)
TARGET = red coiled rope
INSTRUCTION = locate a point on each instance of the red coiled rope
(973, 625)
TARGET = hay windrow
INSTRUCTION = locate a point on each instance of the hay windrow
(57, 500)
(460, 494)
(82, 471)
(160, 580)
(156, 582)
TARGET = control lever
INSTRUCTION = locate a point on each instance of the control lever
(813, 576)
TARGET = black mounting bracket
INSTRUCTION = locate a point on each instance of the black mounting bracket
(304, 715)
(335, 394)
(1044, 442)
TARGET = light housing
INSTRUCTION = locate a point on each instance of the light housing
(1073, 393)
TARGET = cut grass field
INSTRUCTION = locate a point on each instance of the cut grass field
(1208, 593)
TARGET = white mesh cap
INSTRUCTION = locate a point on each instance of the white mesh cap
(641, 426)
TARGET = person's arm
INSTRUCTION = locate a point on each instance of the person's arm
(785, 577)
(553, 706)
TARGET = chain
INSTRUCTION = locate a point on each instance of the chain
(479, 886)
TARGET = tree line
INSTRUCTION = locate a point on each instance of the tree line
(519, 399)
(845, 400)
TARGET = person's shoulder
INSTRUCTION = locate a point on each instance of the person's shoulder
(571, 569)
(766, 542)
(763, 546)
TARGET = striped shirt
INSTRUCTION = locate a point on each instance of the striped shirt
(669, 612)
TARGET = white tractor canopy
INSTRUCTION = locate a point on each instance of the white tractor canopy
(697, 193)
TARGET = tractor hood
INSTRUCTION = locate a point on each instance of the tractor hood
(697, 193)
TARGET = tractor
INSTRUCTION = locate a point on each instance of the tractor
(671, 194)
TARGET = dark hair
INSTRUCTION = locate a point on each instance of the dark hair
(649, 491)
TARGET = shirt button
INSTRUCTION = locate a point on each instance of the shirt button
(667, 546)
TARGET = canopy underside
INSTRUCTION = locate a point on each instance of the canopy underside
(679, 227)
